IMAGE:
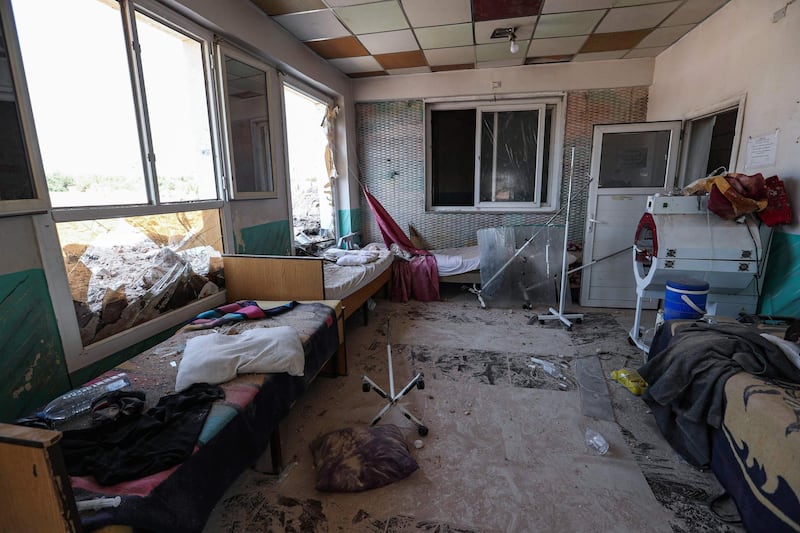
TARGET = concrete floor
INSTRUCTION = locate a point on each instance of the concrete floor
(505, 450)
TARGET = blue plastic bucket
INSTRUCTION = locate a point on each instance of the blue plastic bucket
(685, 299)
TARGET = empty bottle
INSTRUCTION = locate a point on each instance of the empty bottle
(78, 401)
(596, 441)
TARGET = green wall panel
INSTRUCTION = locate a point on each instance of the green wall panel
(271, 238)
(349, 221)
(31, 358)
(781, 293)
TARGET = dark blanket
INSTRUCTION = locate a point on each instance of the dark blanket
(686, 379)
(130, 447)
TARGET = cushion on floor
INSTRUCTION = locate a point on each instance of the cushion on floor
(358, 459)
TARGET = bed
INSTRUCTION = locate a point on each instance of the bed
(231, 435)
(306, 278)
(459, 265)
(726, 396)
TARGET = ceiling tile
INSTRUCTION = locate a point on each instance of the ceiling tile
(341, 47)
(388, 42)
(562, 6)
(665, 36)
(622, 40)
(445, 36)
(556, 46)
(373, 18)
(451, 56)
(402, 60)
(598, 56)
(502, 63)
(524, 28)
(444, 68)
(505, 9)
(282, 7)
(497, 51)
(645, 52)
(636, 18)
(412, 70)
(693, 12)
(356, 64)
(423, 13)
(566, 24)
(548, 59)
(312, 25)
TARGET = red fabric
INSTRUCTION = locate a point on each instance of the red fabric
(778, 210)
(418, 277)
(734, 195)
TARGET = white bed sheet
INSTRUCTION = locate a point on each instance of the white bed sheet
(452, 261)
(341, 281)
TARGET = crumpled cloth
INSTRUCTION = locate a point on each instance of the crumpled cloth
(686, 379)
(731, 195)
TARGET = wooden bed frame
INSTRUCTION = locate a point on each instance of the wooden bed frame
(264, 277)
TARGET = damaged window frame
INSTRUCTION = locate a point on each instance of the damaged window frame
(76, 354)
(546, 179)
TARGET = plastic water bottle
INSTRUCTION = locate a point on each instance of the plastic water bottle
(78, 401)
(596, 441)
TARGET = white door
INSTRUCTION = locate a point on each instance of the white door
(629, 162)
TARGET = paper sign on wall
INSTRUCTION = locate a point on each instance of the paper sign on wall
(761, 150)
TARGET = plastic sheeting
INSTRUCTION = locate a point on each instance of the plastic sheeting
(532, 277)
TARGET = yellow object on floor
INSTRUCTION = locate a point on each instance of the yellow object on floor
(630, 379)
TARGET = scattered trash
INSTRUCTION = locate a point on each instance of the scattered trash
(98, 503)
(418, 444)
(173, 364)
(630, 379)
(466, 413)
(596, 441)
(548, 367)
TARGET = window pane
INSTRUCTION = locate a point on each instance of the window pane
(453, 157)
(635, 159)
(78, 79)
(508, 155)
(16, 181)
(249, 126)
(174, 81)
(125, 271)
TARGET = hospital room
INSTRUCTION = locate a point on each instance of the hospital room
(400, 265)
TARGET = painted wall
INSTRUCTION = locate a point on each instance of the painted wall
(741, 50)
(528, 79)
(32, 362)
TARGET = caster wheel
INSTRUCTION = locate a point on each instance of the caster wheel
(422, 430)
(420, 384)
(630, 341)
(365, 387)
(569, 328)
(579, 320)
(541, 322)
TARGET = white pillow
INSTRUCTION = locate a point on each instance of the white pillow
(215, 358)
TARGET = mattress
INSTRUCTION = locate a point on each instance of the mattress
(342, 281)
(452, 261)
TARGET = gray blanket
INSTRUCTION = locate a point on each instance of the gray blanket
(686, 379)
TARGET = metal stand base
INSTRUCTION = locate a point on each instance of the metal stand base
(564, 318)
(392, 399)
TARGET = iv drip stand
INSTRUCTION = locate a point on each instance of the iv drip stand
(559, 315)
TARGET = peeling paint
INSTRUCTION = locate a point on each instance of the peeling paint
(33, 362)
